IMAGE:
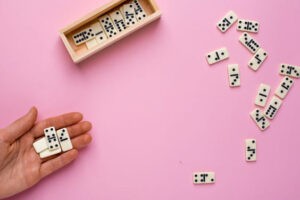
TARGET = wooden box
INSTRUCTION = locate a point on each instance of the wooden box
(80, 52)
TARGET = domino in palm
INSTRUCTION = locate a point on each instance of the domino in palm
(40, 145)
(262, 95)
(289, 70)
(251, 44)
(260, 120)
(227, 21)
(129, 14)
(118, 20)
(83, 36)
(139, 11)
(273, 107)
(204, 177)
(257, 60)
(64, 139)
(234, 75)
(51, 138)
(247, 25)
(250, 150)
(217, 56)
(284, 87)
(108, 26)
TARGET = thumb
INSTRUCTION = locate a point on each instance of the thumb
(20, 126)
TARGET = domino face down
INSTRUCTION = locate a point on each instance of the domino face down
(250, 150)
(217, 55)
(204, 177)
(289, 70)
(273, 107)
(262, 95)
(251, 44)
(227, 21)
(284, 87)
(257, 60)
(260, 120)
(247, 25)
(234, 75)
(40, 145)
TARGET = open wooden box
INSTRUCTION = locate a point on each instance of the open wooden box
(81, 52)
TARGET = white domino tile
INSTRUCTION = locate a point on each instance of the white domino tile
(64, 140)
(217, 55)
(108, 26)
(260, 120)
(91, 43)
(100, 35)
(250, 150)
(284, 87)
(129, 14)
(140, 13)
(227, 21)
(234, 75)
(289, 70)
(257, 60)
(273, 107)
(40, 145)
(250, 43)
(46, 153)
(118, 20)
(262, 95)
(51, 138)
(204, 177)
(83, 36)
(247, 25)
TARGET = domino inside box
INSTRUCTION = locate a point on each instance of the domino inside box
(106, 25)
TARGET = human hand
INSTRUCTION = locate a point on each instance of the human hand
(20, 166)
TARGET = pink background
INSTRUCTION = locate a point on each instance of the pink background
(159, 112)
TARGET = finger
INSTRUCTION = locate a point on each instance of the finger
(79, 129)
(58, 122)
(20, 126)
(57, 163)
(81, 141)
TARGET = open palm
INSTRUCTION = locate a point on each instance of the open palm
(20, 166)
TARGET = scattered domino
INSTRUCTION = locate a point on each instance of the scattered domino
(64, 139)
(204, 177)
(227, 21)
(108, 26)
(139, 11)
(250, 150)
(257, 60)
(118, 20)
(262, 95)
(284, 87)
(273, 107)
(248, 25)
(260, 120)
(249, 42)
(83, 36)
(46, 153)
(290, 70)
(129, 14)
(40, 145)
(234, 75)
(51, 138)
(217, 56)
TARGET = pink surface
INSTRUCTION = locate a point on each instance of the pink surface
(159, 111)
